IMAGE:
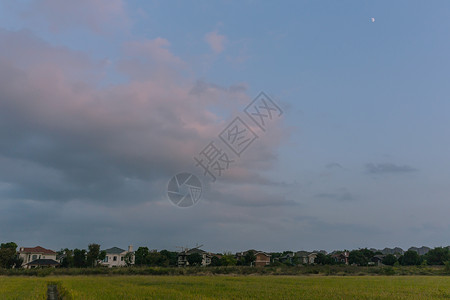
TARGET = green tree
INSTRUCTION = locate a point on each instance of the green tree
(360, 257)
(249, 258)
(170, 258)
(195, 259)
(320, 259)
(215, 261)
(410, 258)
(141, 256)
(438, 256)
(8, 255)
(93, 255)
(154, 258)
(369, 254)
(447, 267)
(128, 258)
(102, 255)
(357, 257)
(389, 260)
(323, 259)
(67, 261)
(79, 258)
(228, 259)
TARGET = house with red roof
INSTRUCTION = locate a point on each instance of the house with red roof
(37, 257)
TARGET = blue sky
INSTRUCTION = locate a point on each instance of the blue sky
(106, 113)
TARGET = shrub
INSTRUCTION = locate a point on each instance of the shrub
(389, 271)
(447, 267)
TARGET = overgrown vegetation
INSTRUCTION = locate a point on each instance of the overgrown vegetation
(339, 270)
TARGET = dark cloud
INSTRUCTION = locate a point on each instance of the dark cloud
(341, 195)
(333, 165)
(385, 168)
(80, 163)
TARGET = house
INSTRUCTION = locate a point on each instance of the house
(115, 257)
(42, 263)
(262, 259)
(377, 260)
(287, 258)
(341, 257)
(29, 255)
(184, 254)
(305, 257)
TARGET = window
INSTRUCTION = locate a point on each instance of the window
(34, 256)
(105, 259)
(121, 258)
(115, 258)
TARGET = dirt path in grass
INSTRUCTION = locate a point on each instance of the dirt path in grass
(52, 292)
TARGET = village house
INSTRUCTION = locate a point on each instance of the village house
(305, 257)
(37, 257)
(287, 258)
(115, 257)
(341, 257)
(262, 259)
(377, 260)
(184, 254)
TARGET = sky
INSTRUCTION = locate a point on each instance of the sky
(103, 102)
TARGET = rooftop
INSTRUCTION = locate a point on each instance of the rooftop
(37, 249)
(114, 250)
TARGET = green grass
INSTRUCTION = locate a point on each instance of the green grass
(22, 288)
(230, 287)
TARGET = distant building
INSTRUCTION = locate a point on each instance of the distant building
(396, 250)
(30, 255)
(42, 263)
(421, 251)
(341, 257)
(183, 257)
(377, 259)
(287, 258)
(305, 257)
(262, 259)
(115, 257)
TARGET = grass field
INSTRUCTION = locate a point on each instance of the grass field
(23, 288)
(231, 287)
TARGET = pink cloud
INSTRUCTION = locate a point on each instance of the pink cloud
(146, 129)
(97, 15)
(216, 41)
(146, 59)
(155, 50)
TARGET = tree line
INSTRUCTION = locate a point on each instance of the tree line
(363, 257)
(81, 258)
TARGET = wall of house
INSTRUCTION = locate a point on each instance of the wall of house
(115, 260)
(29, 257)
(262, 260)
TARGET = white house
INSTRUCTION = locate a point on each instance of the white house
(39, 255)
(115, 257)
